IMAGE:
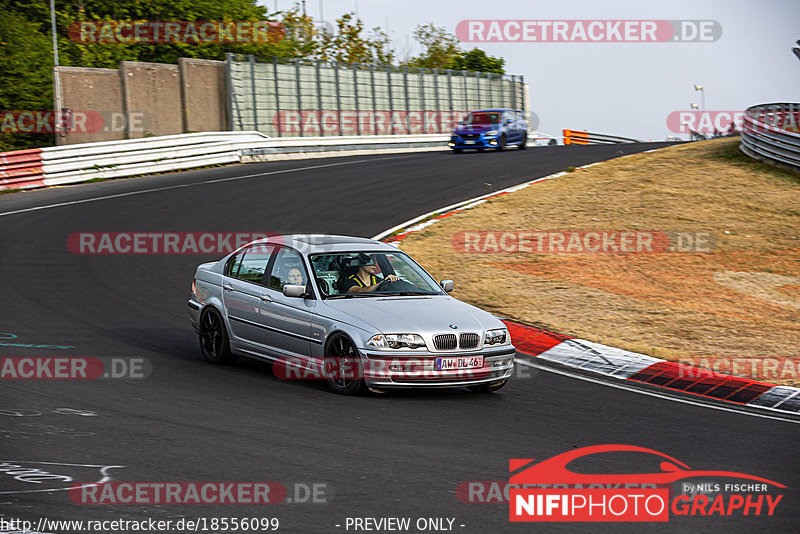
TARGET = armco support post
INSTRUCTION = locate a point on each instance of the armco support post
(391, 100)
(374, 99)
(338, 95)
(277, 97)
(319, 98)
(299, 99)
(253, 89)
(355, 98)
(450, 88)
(422, 99)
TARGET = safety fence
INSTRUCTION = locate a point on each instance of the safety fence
(579, 137)
(771, 132)
(70, 164)
(296, 98)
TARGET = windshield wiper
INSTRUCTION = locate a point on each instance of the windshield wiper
(374, 294)
(406, 294)
(352, 295)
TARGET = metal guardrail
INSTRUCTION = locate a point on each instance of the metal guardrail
(69, 164)
(765, 135)
(579, 137)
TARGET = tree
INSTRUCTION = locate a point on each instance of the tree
(442, 51)
(348, 45)
(380, 47)
(477, 60)
(25, 75)
(440, 47)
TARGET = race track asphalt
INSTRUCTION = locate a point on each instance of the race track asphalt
(396, 455)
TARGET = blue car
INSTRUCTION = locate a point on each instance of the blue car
(490, 128)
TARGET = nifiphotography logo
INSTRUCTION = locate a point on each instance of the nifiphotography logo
(549, 491)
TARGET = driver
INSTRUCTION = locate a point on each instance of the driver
(364, 279)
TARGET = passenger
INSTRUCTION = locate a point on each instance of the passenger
(295, 277)
(364, 279)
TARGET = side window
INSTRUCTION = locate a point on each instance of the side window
(326, 270)
(253, 264)
(233, 264)
(287, 269)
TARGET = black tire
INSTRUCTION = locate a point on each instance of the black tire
(343, 367)
(488, 387)
(214, 342)
(524, 143)
(502, 144)
(456, 151)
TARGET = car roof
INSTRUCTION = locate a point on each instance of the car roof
(320, 243)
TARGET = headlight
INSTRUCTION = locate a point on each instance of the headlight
(495, 337)
(492, 132)
(396, 341)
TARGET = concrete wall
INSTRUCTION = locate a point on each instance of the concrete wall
(152, 89)
(204, 95)
(89, 92)
(143, 99)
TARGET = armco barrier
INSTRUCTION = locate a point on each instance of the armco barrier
(579, 137)
(305, 147)
(70, 164)
(765, 138)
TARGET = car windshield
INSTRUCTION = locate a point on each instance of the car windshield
(336, 272)
(481, 119)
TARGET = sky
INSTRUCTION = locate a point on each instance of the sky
(625, 89)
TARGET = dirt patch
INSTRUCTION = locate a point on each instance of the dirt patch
(737, 297)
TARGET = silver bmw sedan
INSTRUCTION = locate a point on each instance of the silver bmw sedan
(354, 312)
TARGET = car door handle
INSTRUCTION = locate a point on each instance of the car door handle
(266, 298)
(227, 287)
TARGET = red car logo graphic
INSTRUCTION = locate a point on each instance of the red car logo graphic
(554, 470)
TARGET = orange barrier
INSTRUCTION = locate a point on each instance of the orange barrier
(576, 137)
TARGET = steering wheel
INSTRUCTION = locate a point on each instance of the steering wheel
(385, 282)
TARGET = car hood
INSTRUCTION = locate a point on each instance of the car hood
(416, 315)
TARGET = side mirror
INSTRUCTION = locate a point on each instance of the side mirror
(290, 290)
(447, 285)
(509, 121)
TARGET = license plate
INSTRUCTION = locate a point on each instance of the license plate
(458, 362)
(469, 142)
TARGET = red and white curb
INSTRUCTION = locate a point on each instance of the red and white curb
(609, 361)
(625, 365)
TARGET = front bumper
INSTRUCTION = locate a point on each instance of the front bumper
(481, 141)
(384, 369)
